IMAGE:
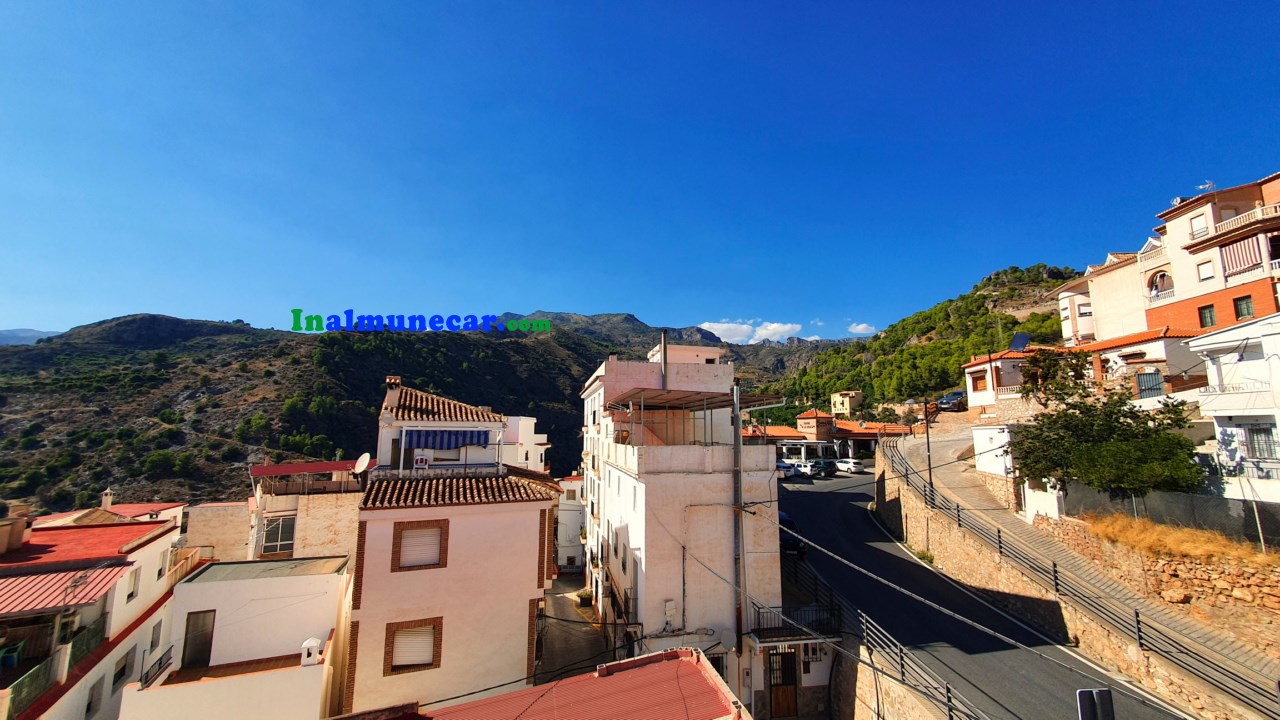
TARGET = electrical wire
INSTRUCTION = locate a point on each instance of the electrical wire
(526, 677)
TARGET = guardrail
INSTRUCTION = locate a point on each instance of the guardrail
(157, 667)
(897, 659)
(1237, 680)
(31, 686)
(87, 640)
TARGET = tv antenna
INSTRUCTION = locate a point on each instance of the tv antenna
(1208, 186)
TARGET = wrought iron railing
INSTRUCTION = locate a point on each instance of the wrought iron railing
(157, 667)
(31, 686)
(777, 623)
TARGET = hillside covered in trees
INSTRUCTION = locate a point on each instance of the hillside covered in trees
(922, 354)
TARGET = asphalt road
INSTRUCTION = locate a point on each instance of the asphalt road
(1004, 680)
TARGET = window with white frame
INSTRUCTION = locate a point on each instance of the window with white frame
(277, 537)
(135, 580)
(1199, 226)
(1205, 270)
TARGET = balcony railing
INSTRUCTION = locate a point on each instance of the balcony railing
(1152, 256)
(1244, 387)
(1161, 296)
(87, 640)
(1254, 215)
(783, 623)
(1009, 390)
(1275, 266)
(31, 686)
(157, 667)
(184, 562)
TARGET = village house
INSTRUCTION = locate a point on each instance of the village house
(250, 639)
(672, 560)
(570, 531)
(84, 610)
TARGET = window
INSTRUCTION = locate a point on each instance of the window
(1207, 317)
(94, 702)
(420, 545)
(1244, 307)
(571, 494)
(1260, 442)
(717, 662)
(413, 645)
(122, 669)
(135, 579)
(1085, 309)
(625, 553)
(1205, 270)
(1161, 282)
(1199, 226)
(615, 544)
(155, 635)
(526, 456)
(278, 537)
(979, 381)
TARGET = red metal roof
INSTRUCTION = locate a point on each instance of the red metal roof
(47, 591)
(659, 686)
(140, 509)
(77, 543)
(304, 467)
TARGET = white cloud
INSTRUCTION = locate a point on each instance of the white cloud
(814, 337)
(736, 333)
(862, 328)
(751, 331)
(817, 322)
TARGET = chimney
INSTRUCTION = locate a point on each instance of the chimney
(311, 652)
(393, 391)
(107, 497)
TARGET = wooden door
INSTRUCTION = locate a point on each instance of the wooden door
(782, 683)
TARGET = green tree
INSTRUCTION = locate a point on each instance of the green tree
(159, 464)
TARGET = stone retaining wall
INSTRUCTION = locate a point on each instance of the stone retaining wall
(1005, 489)
(868, 690)
(1238, 597)
(967, 559)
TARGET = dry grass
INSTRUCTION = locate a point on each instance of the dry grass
(1156, 539)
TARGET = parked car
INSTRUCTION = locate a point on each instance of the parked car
(788, 543)
(808, 468)
(850, 465)
(785, 469)
(954, 401)
(828, 467)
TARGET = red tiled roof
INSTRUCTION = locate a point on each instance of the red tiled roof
(1140, 337)
(659, 686)
(140, 509)
(46, 591)
(301, 468)
(777, 432)
(445, 491)
(418, 405)
(77, 543)
(571, 478)
(814, 413)
(870, 429)
(1012, 355)
(243, 504)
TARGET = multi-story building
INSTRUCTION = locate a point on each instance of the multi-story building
(1243, 399)
(523, 447)
(84, 611)
(570, 531)
(682, 531)
(263, 638)
(846, 402)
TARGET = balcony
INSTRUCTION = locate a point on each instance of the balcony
(1232, 388)
(1004, 392)
(1239, 221)
(773, 624)
(1153, 257)
(1159, 297)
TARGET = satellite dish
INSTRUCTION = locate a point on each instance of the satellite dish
(362, 464)
(1020, 341)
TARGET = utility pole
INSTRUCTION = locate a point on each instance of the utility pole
(928, 449)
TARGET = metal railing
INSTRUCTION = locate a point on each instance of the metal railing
(87, 640)
(895, 659)
(1244, 387)
(776, 623)
(157, 667)
(31, 686)
(1239, 681)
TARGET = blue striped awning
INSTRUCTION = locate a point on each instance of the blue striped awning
(445, 439)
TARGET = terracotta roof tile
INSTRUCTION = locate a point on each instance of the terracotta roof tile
(1012, 355)
(1140, 337)
(870, 429)
(775, 432)
(418, 405)
(814, 413)
(406, 492)
(91, 516)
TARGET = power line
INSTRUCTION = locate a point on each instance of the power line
(526, 677)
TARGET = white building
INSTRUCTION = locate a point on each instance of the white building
(254, 639)
(570, 538)
(522, 446)
(451, 567)
(85, 610)
(1243, 400)
(421, 431)
(667, 556)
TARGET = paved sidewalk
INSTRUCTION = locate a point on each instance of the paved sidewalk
(571, 642)
(958, 481)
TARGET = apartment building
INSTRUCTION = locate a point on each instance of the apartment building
(675, 558)
(84, 610)
(250, 639)
(570, 530)
(523, 447)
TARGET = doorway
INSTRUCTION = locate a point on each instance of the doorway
(197, 647)
(782, 682)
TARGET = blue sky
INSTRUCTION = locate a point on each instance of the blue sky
(813, 165)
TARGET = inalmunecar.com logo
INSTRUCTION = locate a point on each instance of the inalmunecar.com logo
(348, 321)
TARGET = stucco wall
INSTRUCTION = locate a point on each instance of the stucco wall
(326, 525)
(286, 694)
(223, 528)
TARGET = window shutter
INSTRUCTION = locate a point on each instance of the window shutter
(420, 547)
(416, 646)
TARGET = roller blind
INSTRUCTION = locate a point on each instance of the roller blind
(416, 646)
(1241, 256)
(420, 547)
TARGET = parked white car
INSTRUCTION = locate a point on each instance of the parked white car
(808, 469)
(850, 465)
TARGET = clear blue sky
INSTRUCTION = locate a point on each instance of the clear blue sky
(687, 162)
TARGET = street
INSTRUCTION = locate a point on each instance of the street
(1004, 680)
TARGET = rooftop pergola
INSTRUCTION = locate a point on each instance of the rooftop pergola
(639, 400)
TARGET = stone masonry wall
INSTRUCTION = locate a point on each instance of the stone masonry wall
(861, 692)
(1003, 488)
(1240, 598)
(965, 558)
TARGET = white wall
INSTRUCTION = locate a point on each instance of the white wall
(285, 694)
(150, 560)
(990, 443)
